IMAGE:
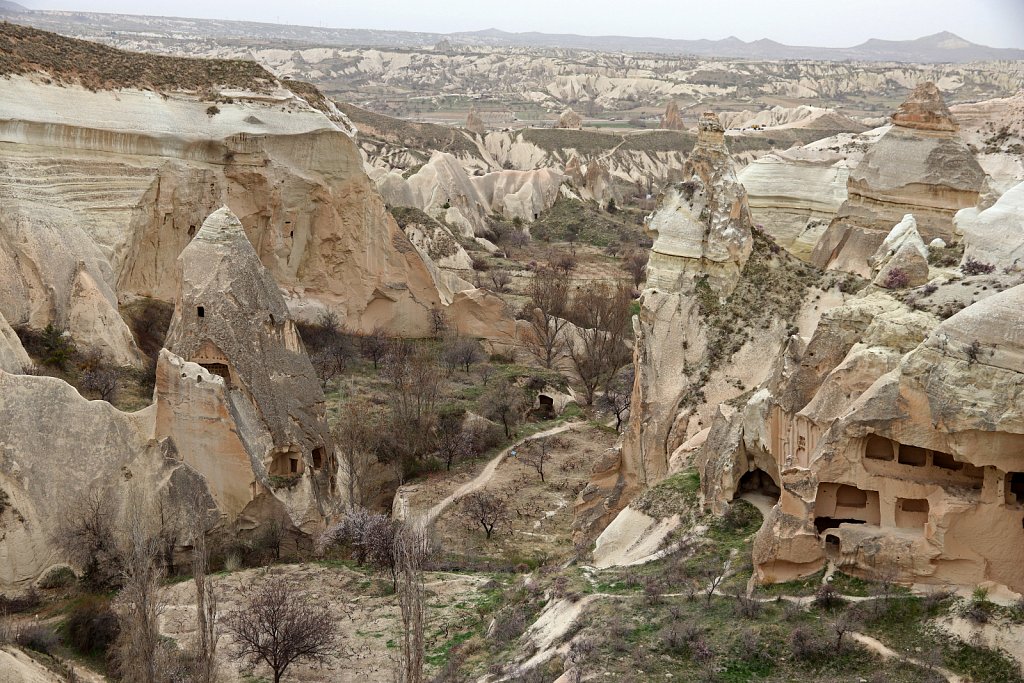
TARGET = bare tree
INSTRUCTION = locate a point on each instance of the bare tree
(410, 550)
(206, 597)
(86, 533)
(504, 403)
(549, 297)
(565, 263)
(635, 264)
(453, 442)
(356, 438)
(138, 604)
(277, 624)
(537, 453)
(328, 363)
(463, 352)
(103, 381)
(601, 312)
(439, 321)
(375, 345)
(369, 536)
(500, 280)
(415, 382)
(618, 395)
(711, 572)
(482, 507)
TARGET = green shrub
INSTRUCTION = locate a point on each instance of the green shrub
(60, 576)
(91, 626)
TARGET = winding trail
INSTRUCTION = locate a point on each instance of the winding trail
(486, 474)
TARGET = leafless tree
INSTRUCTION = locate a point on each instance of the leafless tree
(479, 266)
(514, 240)
(138, 604)
(463, 352)
(618, 395)
(484, 508)
(277, 624)
(453, 442)
(549, 298)
(635, 264)
(536, 453)
(86, 533)
(711, 572)
(601, 312)
(374, 345)
(503, 402)
(328, 363)
(103, 381)
(356, 438)
(415, 383)
(410, 550)
(500, 280)
(439, 321)
(564, 263)
(206, 597)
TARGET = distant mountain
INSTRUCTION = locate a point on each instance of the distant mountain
(941, 47)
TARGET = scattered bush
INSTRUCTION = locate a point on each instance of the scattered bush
(91, 626)
(32, 636)
(827, 597)
(896, 278)
(212, 110)
(971, 266)
(60, 576)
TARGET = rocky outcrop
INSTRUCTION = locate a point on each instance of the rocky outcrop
(902, 259)
(703, 238)
(569, 119)
(894, 439)
(13, 358)
(236, 392)
(671, 119)
(702, 227)
(995, 236)
(444, 189)
(919, 165)
(475, 124)
(103, 189)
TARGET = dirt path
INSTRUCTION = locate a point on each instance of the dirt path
(486, 474)
(880, 648)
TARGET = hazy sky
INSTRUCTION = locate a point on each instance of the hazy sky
(831, 23)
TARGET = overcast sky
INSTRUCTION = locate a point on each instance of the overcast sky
(830, 23)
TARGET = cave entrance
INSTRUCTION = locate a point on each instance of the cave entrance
(823, 523)
(1015, 488)
(758, 481)
(546, 405)
(833, 546)
(318, 457)
(219, 369)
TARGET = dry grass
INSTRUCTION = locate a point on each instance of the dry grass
(25, 50)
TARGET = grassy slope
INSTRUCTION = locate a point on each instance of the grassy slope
(26, 50)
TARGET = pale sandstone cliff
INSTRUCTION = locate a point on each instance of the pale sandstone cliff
(246, 365)
(919, 166)
(128, 175)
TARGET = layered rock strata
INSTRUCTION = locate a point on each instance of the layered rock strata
(919, 166)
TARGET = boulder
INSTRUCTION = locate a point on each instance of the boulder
(13, 358)
(996, 235)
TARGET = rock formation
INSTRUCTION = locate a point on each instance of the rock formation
(13, 358)
(703, 224)
(569, 119)
(671, 119)
(902, 259)
(475, 124)
(919, 165)
(103, 188)
(238, 419)
(891, 442)
(703, 238)
(233, 352)
(995, 236)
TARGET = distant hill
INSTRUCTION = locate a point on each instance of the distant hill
(941, 47)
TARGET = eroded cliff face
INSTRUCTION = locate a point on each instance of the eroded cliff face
(895, 439)
(919, 166)
(703, 240)
(246, 409)
(103, 189)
